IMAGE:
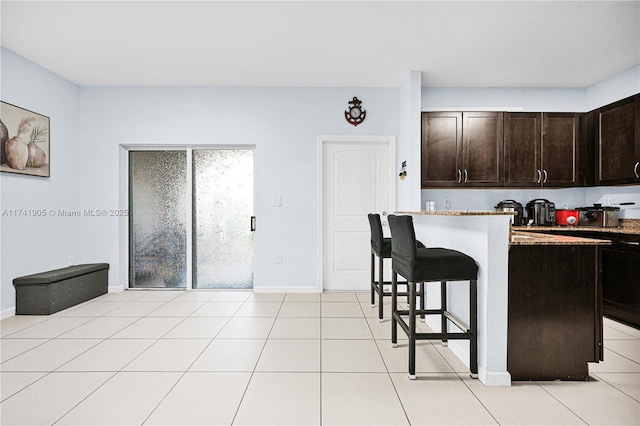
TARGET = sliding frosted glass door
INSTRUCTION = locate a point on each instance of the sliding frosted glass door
(158, 205)
(222, 218)
(190, 218)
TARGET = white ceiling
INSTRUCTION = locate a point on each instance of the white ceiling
(326, 43)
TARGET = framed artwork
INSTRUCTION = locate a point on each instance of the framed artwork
(25, 141)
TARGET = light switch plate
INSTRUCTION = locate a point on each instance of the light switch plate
(276, 201)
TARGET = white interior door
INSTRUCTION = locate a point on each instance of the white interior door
(357, 178)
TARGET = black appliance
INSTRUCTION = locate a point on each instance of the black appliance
(541, 212)
(512, 206)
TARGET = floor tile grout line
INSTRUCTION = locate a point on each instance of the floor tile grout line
(613, 386)
(121, 370)
(22, 329)
(477, 398)
(255, 366)
(48, 319)
(169, 338)
(47, 373)
(395, 389)
(623, 329)
(46, 340)
(164, 397)
(560, 402)
(623, 356)
(85, 398)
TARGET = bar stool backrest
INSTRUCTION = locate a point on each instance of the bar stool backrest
(403, 246)
(376, 233)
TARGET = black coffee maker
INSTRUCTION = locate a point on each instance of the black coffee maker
(541, 212)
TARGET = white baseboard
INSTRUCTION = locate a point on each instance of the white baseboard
(494, 378)
(116, 288)
(6, 313)
(285, 289)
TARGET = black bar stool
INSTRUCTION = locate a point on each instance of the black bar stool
(420, 265)
(381, 247)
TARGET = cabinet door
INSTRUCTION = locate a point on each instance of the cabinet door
(559, 149)
(441, 149)
(617, 143)
(482, 149)
(522, 149)
(621, 269)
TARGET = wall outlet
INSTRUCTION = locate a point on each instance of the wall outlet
(278, 258)
(72, 260)
(446, 202)
(276, 201)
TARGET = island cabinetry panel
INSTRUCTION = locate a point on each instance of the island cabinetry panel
(621, 278)
(620, 273)
(555, 311)
(619, 142)
(462, 149)
(541, 149)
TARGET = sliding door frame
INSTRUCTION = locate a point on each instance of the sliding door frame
(123, 225)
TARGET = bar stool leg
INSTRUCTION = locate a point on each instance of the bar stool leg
(380, 288)
(473, 325)
(443, 309)
(422, 302)
(394, 309)
(373, 280)
(412, 330)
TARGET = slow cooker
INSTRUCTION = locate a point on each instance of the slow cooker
(567, 217)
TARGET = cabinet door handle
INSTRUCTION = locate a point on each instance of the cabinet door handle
(539, 176)
(466, 176)
(635, 170)
(459, 176)
(545, 176)
(253, 223)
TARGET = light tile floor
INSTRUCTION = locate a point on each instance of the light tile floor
(224, 357)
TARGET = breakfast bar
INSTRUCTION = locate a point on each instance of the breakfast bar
(487, 237)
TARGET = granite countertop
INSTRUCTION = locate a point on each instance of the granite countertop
(627, 226)
(521, 238)
(460, 213)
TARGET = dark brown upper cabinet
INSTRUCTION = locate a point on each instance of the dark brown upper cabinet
(462, 149)
(560, 142)
(618, 142)
(541, 149)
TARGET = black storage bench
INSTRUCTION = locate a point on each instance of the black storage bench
(52, 291)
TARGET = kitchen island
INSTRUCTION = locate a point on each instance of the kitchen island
(486, 236)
